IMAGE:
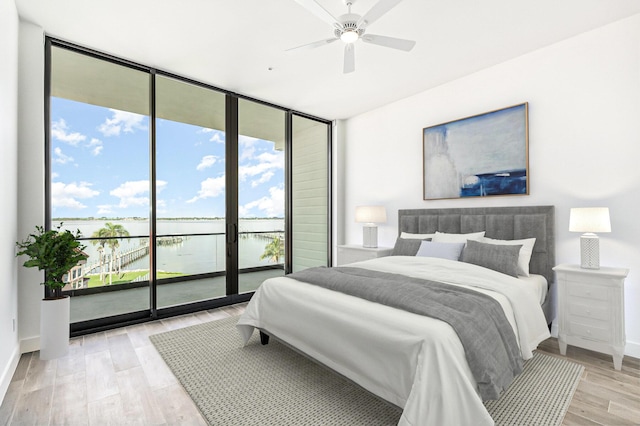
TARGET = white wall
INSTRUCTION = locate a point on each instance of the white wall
(9, 347)
(584, 144)
(30, 175)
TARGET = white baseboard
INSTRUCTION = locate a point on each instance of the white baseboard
(7, 373)
(31, 344)
(632, 349)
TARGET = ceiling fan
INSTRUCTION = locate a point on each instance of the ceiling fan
(351, 27)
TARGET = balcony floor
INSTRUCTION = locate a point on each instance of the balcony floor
(100, 305)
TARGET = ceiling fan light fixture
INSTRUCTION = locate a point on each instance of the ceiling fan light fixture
(349, 36)
(351, 27)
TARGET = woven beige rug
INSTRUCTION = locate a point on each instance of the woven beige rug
(274, 385)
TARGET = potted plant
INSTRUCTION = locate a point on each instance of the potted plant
(55, 252)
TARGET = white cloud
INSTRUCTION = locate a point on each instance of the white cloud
(105, 209)
(272, 158)
(96, 146)
(135, 193)
(218, 137)
(246, 147)
(209, 188)
(121, 121)
(266, 177)
(60, 158)
(207, 161)
(272, 206)
(247, 153)
(67, 195)
(247, 140)
(59, 131)
(267, 162)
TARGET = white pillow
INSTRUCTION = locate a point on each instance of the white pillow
(449, 251)
(525, 252)
(443, 237)
(409, 236)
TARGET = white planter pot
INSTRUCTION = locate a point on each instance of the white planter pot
(54, 328)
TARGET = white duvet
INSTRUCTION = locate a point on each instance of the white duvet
(412, 361)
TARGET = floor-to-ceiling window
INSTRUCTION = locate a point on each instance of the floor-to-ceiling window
(187, 196)
(261, 189)
(190, 191)
(99, 177)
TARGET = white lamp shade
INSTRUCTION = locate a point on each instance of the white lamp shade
(371, 214)
(589, 219)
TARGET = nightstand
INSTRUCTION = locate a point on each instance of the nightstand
(591, 310)
(354, 253)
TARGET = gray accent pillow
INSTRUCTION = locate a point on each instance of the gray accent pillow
(406, 246)
(501, 258)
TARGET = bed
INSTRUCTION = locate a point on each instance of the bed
(414, 361)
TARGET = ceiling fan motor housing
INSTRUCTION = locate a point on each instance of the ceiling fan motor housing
(349, 22)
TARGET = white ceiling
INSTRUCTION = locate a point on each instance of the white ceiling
(239, 45)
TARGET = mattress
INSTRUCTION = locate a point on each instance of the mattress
(539, 284)
(413, 361)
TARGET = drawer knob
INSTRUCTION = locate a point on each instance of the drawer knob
(589, 332)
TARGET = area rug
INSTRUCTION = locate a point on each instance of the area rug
(234, 385)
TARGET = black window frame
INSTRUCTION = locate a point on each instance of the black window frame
(231, 129)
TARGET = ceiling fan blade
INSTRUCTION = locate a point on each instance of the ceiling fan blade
(379, 9)
(313, 45)
(392, 42)
(349, 59)
(322, 13)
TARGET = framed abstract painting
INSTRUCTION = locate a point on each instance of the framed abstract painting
(480, 156)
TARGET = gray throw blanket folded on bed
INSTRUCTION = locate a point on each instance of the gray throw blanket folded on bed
(486, 335)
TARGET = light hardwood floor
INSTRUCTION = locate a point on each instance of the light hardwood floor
(117, 378)
(604, 396)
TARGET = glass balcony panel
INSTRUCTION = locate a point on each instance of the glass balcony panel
(184, 255)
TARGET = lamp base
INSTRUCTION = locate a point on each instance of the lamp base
(589, 251)
(370, 236)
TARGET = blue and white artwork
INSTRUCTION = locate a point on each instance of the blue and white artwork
(478, 156)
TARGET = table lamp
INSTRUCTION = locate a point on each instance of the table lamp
(370, 215)
(589, 220)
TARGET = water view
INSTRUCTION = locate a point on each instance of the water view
(184, 247)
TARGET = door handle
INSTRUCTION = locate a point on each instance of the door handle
(232, 233)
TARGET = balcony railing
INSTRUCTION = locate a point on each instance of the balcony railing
(123, 262)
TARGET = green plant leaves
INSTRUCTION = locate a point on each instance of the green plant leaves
(54, 251)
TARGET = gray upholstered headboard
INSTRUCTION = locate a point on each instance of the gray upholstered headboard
(505, 223)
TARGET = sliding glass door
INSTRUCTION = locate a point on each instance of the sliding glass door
(190, 192)
(261, 189)
(187, 196)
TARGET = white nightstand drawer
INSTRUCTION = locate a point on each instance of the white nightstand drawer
(591, 309)
(597, 311)
(588, 291)
(590, 332)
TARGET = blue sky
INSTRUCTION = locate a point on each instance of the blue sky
(100, 167)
